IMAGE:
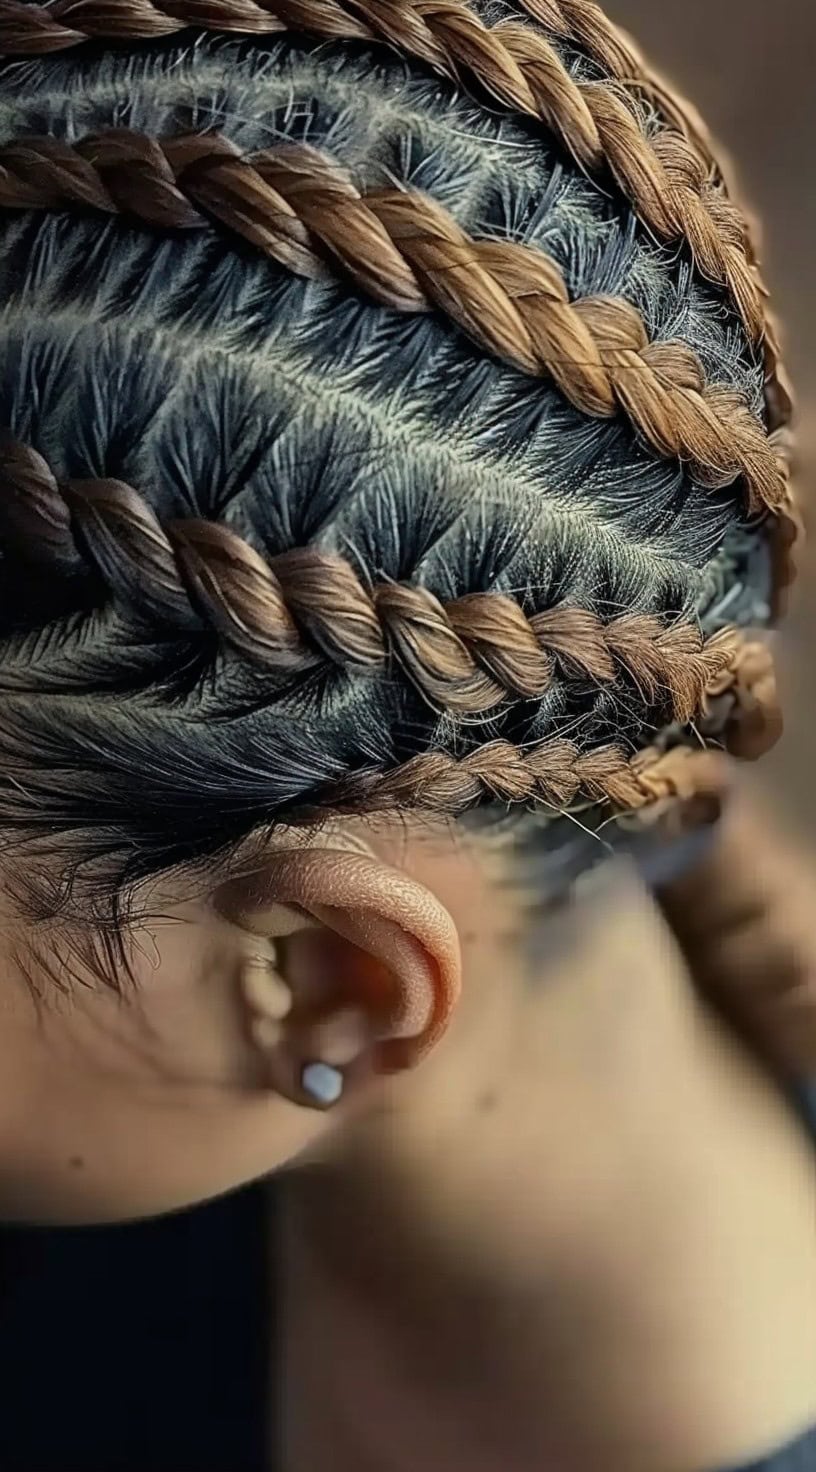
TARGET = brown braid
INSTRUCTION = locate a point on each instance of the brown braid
(468, 655)
(37, 30)
(665, 178)
(560, 775)
(554, 773)
(408, 253)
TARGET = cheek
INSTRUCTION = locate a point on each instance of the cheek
(187, 1020)
(114, 1109)
(90, 1150)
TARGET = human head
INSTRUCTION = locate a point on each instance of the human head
(393, 430)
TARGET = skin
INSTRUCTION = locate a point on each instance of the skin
(743, 917)
(176, 1065)
(542, 1178)
(582, 1237)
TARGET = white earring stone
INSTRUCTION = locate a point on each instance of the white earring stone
(322, 1082)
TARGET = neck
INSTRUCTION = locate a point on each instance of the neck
(395, 1244)
(495, 1234)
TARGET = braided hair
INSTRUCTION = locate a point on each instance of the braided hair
(391, 419)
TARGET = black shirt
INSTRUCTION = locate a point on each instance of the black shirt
(138, 1348)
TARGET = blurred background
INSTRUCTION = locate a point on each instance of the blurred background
(748, 65)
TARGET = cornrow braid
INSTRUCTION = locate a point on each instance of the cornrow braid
(467, 656)
(27, 29)
(556, 774)
(406, 252)
(36, 30)
(559, 775)
(516, 65)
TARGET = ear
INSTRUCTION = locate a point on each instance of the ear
(353, 969)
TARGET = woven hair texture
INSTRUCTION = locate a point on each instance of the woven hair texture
(407, 253)
(306, 607)
(386, 405)
(516, 65)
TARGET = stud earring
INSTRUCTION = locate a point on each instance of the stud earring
(323, 1083)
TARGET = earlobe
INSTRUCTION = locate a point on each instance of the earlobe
(372, 966)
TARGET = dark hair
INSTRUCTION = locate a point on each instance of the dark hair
(392, 420)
